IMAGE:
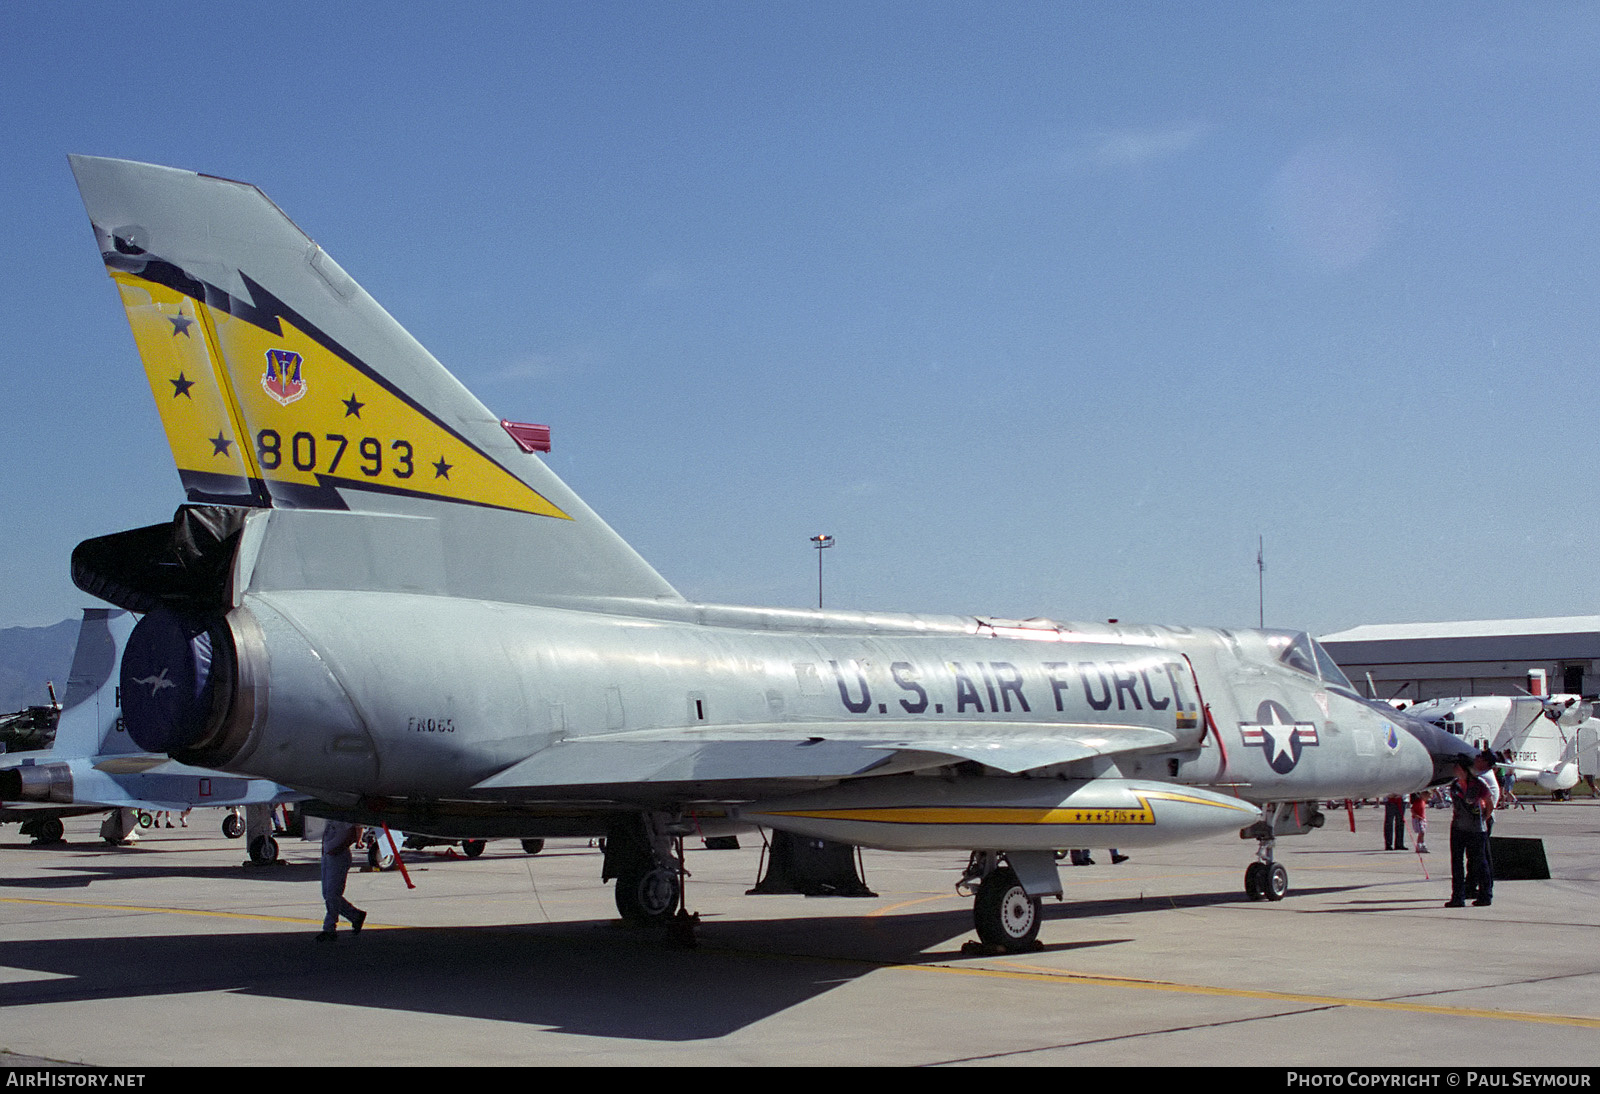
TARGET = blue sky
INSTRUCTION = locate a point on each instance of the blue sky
(1038, 308)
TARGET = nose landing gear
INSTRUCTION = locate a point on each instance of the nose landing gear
(1265, 879)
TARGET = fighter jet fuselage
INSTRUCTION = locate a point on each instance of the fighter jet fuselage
(364, 696)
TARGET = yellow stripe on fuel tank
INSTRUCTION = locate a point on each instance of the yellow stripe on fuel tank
(945, 814)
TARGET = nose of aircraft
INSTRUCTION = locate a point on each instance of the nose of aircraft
(1443, 747)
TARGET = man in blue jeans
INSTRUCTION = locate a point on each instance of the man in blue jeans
(1483, 767)
(1467, 839)
(337, 839)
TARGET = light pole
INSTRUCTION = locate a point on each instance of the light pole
(1261, 582)
(821, 542)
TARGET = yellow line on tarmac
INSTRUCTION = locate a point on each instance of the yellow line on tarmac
(908, 903)
(256, 916)
(1025, 972)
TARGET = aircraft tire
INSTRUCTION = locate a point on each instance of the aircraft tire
(51, 830)
(1004, 914)
(647, 895)
(1255, 886)
(146, 819)
(472, 848)
(1277, 882)
(232, 826)
(263, 849)
(533, 846)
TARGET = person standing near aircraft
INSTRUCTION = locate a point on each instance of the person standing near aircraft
(1483, 766)
(337, 839)
(1419, 822)
(1468, 799)
(1394, 823)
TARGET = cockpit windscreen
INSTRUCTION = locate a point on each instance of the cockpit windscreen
(1300, 651)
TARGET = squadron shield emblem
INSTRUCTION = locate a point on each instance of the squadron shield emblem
(1280, 738)
(283, 380)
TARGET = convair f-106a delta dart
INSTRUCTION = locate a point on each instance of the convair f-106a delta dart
(379, 595)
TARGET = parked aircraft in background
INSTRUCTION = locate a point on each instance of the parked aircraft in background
(93, 766)
(1539, 734)
(32, 727)
(379, 595)
(1588, 742)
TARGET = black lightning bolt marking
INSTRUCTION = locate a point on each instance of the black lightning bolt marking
(181, 386)
(261, 309)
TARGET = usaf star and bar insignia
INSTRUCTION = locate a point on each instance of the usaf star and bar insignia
(1280, 737)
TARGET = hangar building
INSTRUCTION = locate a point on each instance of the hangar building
(1419, 661)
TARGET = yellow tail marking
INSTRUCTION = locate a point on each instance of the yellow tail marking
(190, 390)
(236, 399)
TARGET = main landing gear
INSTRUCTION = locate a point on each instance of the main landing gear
(44, 830)
(646, 858)
(258, 835)
(1004, 912)
(648, 895)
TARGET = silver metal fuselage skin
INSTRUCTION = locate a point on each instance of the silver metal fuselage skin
(382, 695)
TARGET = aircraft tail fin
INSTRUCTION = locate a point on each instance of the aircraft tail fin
(282, 385)
(91, 708)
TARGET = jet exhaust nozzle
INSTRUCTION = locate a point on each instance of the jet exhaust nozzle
(177, 681)
(37, 783)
